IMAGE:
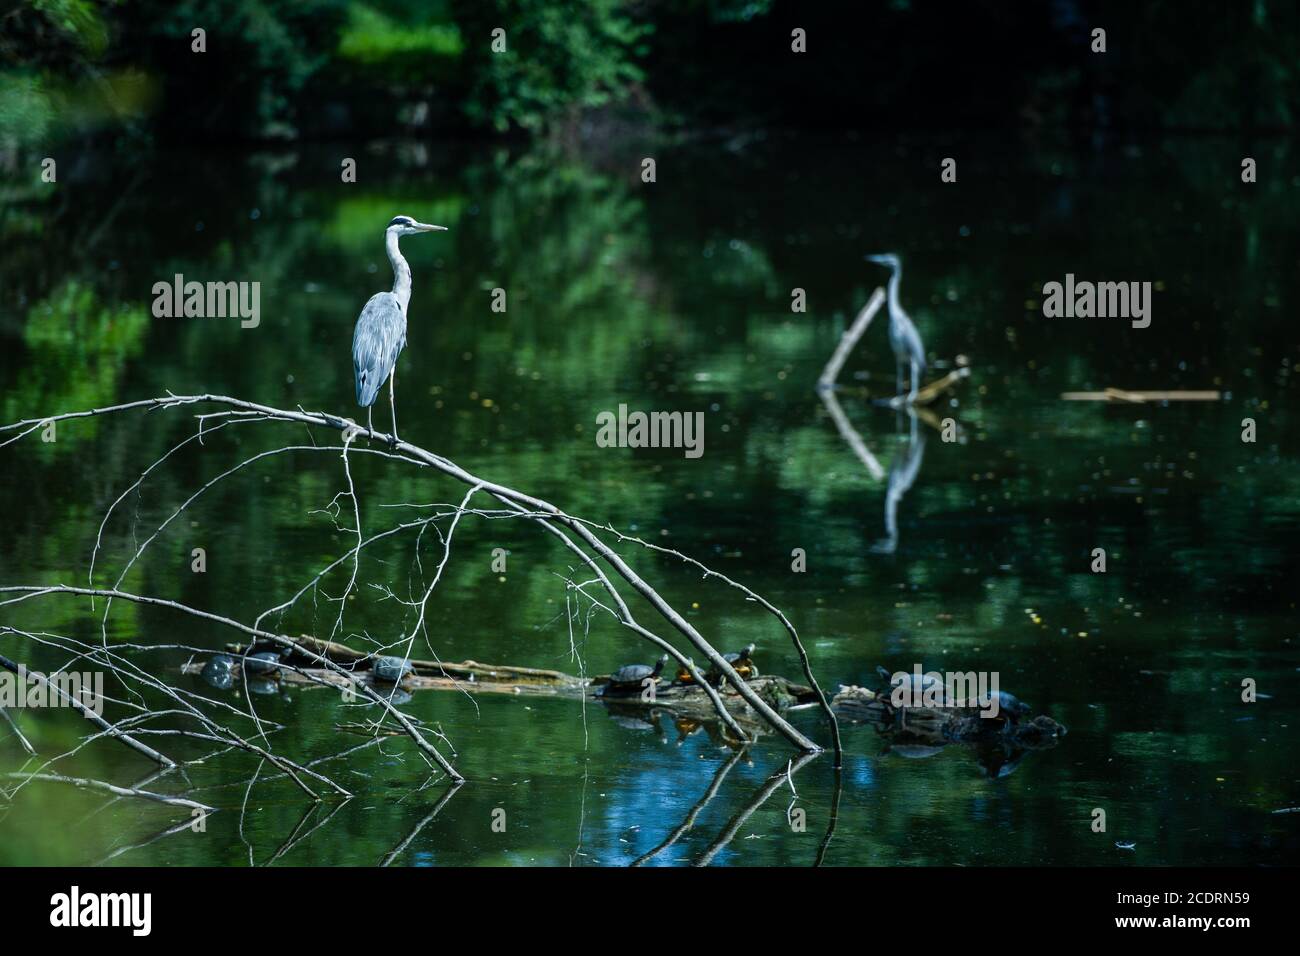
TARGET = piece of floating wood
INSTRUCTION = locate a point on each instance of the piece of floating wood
(1138, 397)
(924, 395)
(928, 393)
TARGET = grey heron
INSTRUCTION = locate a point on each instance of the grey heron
(380, 334)
(903, 337)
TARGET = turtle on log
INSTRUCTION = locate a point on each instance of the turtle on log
(391, 669)
(219, 671)
(630, 678)
(741, 662)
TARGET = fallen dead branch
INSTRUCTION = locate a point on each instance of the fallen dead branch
(90, 715)
(329, 662)
(850, 338)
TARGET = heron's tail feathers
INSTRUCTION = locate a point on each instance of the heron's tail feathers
(368, 385)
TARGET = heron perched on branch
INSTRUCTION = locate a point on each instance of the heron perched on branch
(904, 338)
(380, 334)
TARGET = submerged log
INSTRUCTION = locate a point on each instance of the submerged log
(928, 393)
(342, 654)
(678, 698)
(943, 725)
(690, 699)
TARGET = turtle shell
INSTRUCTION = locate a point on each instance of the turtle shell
(740, 662)
(217, 672)
(631, 674)
(391, 669)
(263, 662)
(910, 686)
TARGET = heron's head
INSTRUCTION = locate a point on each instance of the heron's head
(406, 226)
(888, 259)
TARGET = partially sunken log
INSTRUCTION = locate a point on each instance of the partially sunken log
(690, 699)
(468, 670)
(678, 698)
(957, 724)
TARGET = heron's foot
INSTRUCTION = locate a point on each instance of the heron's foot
(393, 440)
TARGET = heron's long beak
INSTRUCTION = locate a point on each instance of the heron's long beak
(426, 227)
(879, 260)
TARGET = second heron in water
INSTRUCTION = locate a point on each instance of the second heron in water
(903, 337)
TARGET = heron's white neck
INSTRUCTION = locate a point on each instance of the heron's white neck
(401, 271)
(894, 280)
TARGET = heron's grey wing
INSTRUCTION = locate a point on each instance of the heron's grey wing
(912, 341)
(379, 337)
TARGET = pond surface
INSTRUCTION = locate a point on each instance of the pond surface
(677, 296)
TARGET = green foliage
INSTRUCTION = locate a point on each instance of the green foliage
(27, 110)
(558, 58)
(374, 39)
(78, 348)
(68, 33)
(78, 19)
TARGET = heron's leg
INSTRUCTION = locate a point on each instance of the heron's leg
(916, 377)
(370, 417)
(392, 402)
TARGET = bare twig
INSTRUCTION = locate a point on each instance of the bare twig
(26, 744)
(325, 662)
(88, 784)
(90, 715)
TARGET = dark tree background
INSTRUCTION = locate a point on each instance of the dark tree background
(291, 69)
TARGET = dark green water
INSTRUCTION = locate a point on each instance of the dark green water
(675, 296)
